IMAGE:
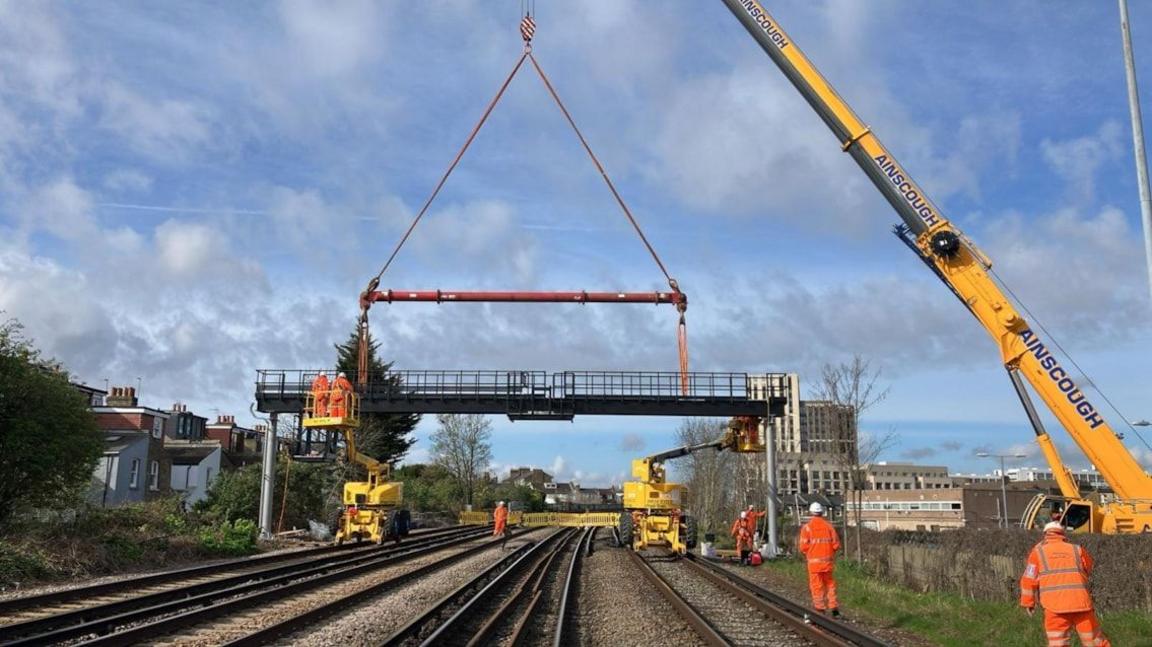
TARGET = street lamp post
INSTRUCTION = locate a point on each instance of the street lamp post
(1003, 483)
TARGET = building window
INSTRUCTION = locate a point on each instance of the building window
(190, 477)
(134, 475)
(157, 428)
(207, 476)
(154, 476)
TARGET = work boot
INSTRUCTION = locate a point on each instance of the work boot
(835, 613)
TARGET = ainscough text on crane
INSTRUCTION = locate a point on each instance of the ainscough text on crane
(904, 185)
(761, 17)
(1059, 376)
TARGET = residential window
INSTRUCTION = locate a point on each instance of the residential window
(154, 476)
(207, 476)
(134, 475)
(157, 428)
(190, 478)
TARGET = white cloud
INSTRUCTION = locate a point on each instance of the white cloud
(61, 208)
(1081, 273)
(165, 129)
(481, 236)
(199, 251)
(127, 180)
(331, 39)
(558, 469)
(1078, 160)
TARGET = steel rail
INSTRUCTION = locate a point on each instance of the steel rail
(554, 544)
(136, 583)
(702, 627)
(271, 633)
(570, 584)
(819, 628)
(533, 584)
(217, 596)
(412, 628)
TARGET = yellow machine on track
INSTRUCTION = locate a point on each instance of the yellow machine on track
(371, 508)
(654, 509)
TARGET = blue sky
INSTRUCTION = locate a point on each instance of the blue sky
(191, 192)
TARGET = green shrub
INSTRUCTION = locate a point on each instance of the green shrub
(19, 564)
(229, 538)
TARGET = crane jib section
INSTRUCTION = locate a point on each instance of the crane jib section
(1061, 379)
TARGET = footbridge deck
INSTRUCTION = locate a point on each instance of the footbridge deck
(539, 395)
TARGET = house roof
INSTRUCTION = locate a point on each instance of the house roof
(117, 441)
(190, 454)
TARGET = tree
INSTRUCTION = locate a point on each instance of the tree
(428, 488)
(49, 440)
(855, 384)
(385, 437)
(235, 494)
(709, 475)
(461, 446)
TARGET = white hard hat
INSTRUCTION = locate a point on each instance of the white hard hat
(499, 503)
(743, 515)
(816, 508)
(342, 374)
(1054, 526)
(750, 506)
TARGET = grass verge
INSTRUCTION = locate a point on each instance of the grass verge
(953, 621)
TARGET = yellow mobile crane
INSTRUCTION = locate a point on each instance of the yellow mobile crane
(966, 271)
(371, 508)
(654, 509)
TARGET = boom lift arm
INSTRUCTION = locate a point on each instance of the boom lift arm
(960, 264)
(654, 509)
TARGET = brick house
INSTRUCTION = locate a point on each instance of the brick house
(134, 466)
(241, 446)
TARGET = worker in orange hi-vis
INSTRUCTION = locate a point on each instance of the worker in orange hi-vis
(1058, 572)
(742, 536)
(341, 390)
(500, 519)
(819, 543)
(320, 396)
(752, 518)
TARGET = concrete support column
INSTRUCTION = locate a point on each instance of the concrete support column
(266, 479)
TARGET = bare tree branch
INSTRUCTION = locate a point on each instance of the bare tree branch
(461, 446)
(855, 384)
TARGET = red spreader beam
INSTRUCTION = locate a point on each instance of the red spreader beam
(443, 296)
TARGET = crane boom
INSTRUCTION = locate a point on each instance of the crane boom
(957, 261)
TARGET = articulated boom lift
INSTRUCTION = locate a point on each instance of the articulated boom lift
(968, 273)
(371, 508)
(654, 509)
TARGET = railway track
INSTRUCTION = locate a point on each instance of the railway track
(725, 609)
(526, 597)
(122, 614)
(30, 607)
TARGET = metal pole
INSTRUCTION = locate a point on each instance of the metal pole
(267, 478)
(770, 508)
(1137, 138)
(1003, 494)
